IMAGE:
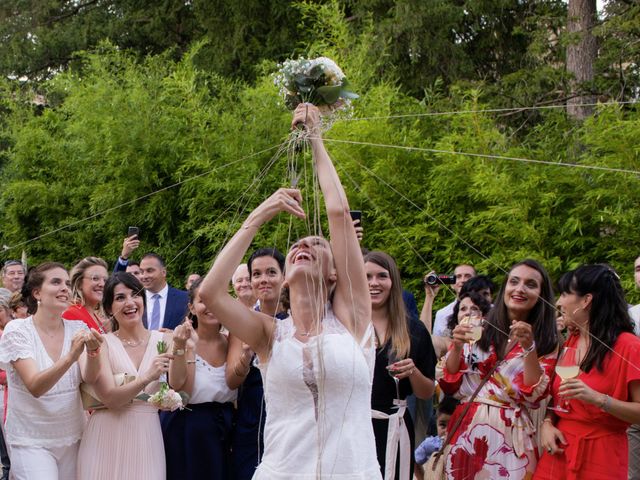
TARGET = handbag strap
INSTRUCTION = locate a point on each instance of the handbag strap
(467, 405)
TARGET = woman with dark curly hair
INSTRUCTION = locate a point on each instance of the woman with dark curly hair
(469, 304)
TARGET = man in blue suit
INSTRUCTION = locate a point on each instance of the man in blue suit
(166, 306)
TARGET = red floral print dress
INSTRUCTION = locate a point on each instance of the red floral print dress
(498, 437)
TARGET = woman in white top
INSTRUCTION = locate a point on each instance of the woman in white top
(203, 430)
(317, 363)
(45, 418)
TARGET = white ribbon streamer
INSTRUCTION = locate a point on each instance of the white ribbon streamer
(397, 437)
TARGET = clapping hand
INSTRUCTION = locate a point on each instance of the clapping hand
(93, 340)
(77, 344)
(182, 334)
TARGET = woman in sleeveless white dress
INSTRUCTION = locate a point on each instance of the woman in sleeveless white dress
(317, 365)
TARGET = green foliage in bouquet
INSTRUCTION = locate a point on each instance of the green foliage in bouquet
(161, 347)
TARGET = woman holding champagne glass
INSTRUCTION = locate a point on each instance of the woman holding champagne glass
(405, 363)
(497, 437)
(597, 388)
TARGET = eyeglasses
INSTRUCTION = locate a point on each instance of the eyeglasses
(97, 278)
(13, 263)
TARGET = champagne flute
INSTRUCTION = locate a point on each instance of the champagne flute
(567, 367)
(475, 322)
(391, 359)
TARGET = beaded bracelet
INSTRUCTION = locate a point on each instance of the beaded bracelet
(604, 406)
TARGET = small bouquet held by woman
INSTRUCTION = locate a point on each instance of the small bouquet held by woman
(166, 398)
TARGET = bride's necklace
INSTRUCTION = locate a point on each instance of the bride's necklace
(308, 333)
(131, 343)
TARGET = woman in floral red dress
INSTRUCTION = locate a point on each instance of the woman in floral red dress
(498, 437)
(585, 438)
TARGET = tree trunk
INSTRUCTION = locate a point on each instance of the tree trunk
(581, 54)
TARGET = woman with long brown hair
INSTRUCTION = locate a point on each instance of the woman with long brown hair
(405, 364)
(498, 434)
(40, 353)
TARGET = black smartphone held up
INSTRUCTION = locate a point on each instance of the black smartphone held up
(356, 215)
(133, 231)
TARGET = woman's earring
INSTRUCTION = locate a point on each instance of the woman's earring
(38, 302)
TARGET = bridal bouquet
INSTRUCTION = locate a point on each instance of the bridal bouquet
(166, 398)
(318, 81)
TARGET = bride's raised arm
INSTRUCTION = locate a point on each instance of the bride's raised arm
(351, 301)
(253, 328)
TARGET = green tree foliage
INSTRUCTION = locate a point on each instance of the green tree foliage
(40, 36)
(618, 70)
(185, 153)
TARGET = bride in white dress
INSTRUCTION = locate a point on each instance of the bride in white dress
(317, 364)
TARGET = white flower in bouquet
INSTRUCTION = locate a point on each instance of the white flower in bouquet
(332, 71)
(167, 399)
(319, 81)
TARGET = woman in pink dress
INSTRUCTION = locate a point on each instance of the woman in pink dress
(124, 440)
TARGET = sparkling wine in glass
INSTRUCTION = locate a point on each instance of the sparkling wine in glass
(567, 367)
(475, 322)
